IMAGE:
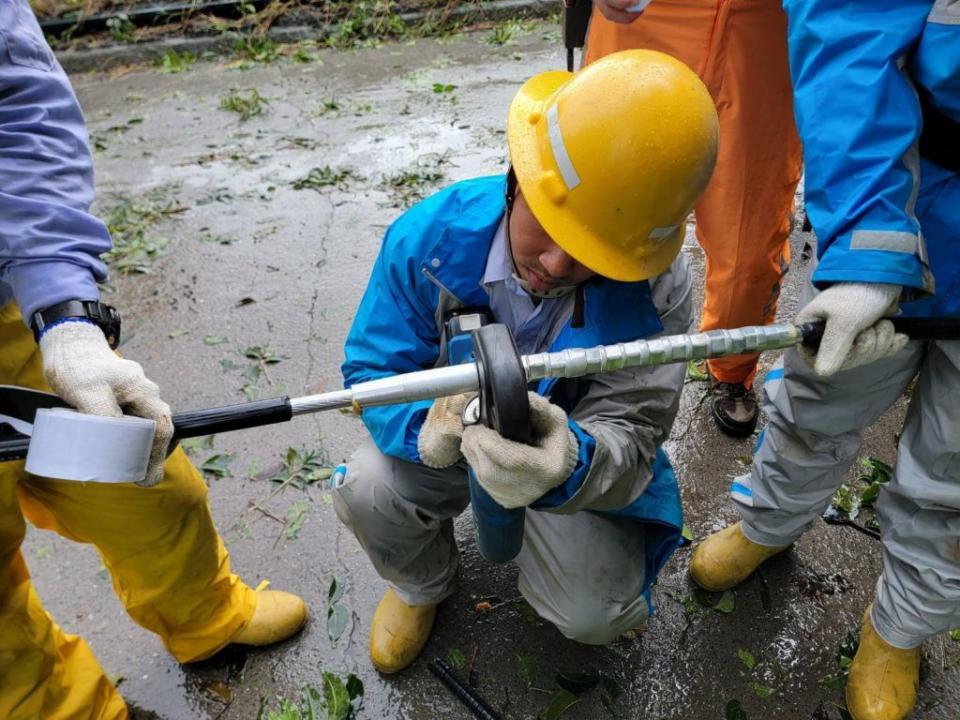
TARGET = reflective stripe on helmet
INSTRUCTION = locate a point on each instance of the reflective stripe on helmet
(560, 154)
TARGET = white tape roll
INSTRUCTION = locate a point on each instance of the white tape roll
(639, 6)
(68, 445)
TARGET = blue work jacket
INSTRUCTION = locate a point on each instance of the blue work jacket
(50, 244)
(881, 211)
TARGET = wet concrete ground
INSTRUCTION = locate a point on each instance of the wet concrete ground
(251, 261)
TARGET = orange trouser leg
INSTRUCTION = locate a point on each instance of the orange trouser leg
(739, 49)
(167, 562)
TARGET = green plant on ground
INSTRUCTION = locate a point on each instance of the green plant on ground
(120, 28)
(504, 33)
(368, 21)
(246, 106)
(176, 62)
(339, 700)
(256, 48)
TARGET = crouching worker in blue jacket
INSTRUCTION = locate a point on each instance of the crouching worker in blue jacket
(577, 246)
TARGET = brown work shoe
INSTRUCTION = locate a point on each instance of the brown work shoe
(734, 408)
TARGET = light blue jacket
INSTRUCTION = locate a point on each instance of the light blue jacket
(432, 260)
(881, 212)
(49, 242)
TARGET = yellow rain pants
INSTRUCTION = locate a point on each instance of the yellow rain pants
(739, 50)
(168, 565)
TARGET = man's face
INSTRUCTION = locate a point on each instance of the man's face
(539, 260)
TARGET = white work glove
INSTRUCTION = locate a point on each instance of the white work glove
(80, 367)
(853, 335)
(516, 474)
(622, 11)
(439, 439)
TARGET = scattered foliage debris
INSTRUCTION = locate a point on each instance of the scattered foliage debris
(326, 176)
(129, 222)
(245, 105)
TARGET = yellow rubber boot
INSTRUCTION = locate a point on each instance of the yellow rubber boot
(883, 679)
(727, 558)
(279, 615)
(399, 632)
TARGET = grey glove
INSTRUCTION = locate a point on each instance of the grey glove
(516, 474)
(439, 439)
(80, 367)
(855, 334)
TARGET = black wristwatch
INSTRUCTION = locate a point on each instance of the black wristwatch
(106, 317)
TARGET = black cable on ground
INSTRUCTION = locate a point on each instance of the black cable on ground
(466, 694)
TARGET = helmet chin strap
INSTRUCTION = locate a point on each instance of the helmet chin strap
(545, 294)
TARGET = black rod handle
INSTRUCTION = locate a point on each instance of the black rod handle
(914, 328)
(191, 424)
(231, 417)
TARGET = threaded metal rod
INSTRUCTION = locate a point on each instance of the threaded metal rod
(660, 351)
(455, 379)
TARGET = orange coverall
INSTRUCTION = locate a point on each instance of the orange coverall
(739, 50)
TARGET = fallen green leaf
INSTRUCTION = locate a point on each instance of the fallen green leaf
(456, 658)
(179, 332)
(955, 635)
(847, 501)
(747, 658)
(764, 691)
(337, 697)
(336, 590)
(337, 619)
(695, 372)
(214, 339)
(218, 465)
(296, 516)
(528, 668)
(562, 701)
(441, 88)
(354, 689)
(727, 602)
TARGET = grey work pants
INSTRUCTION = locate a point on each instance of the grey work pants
(813, 436)
(583, 572)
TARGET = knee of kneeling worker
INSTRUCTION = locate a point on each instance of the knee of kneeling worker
(591, 625)
(353, 498)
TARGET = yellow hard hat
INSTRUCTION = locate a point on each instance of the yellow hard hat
(611, 159)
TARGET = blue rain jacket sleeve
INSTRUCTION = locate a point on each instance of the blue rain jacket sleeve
(859, 119)
(394, 333)
(49, 242)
